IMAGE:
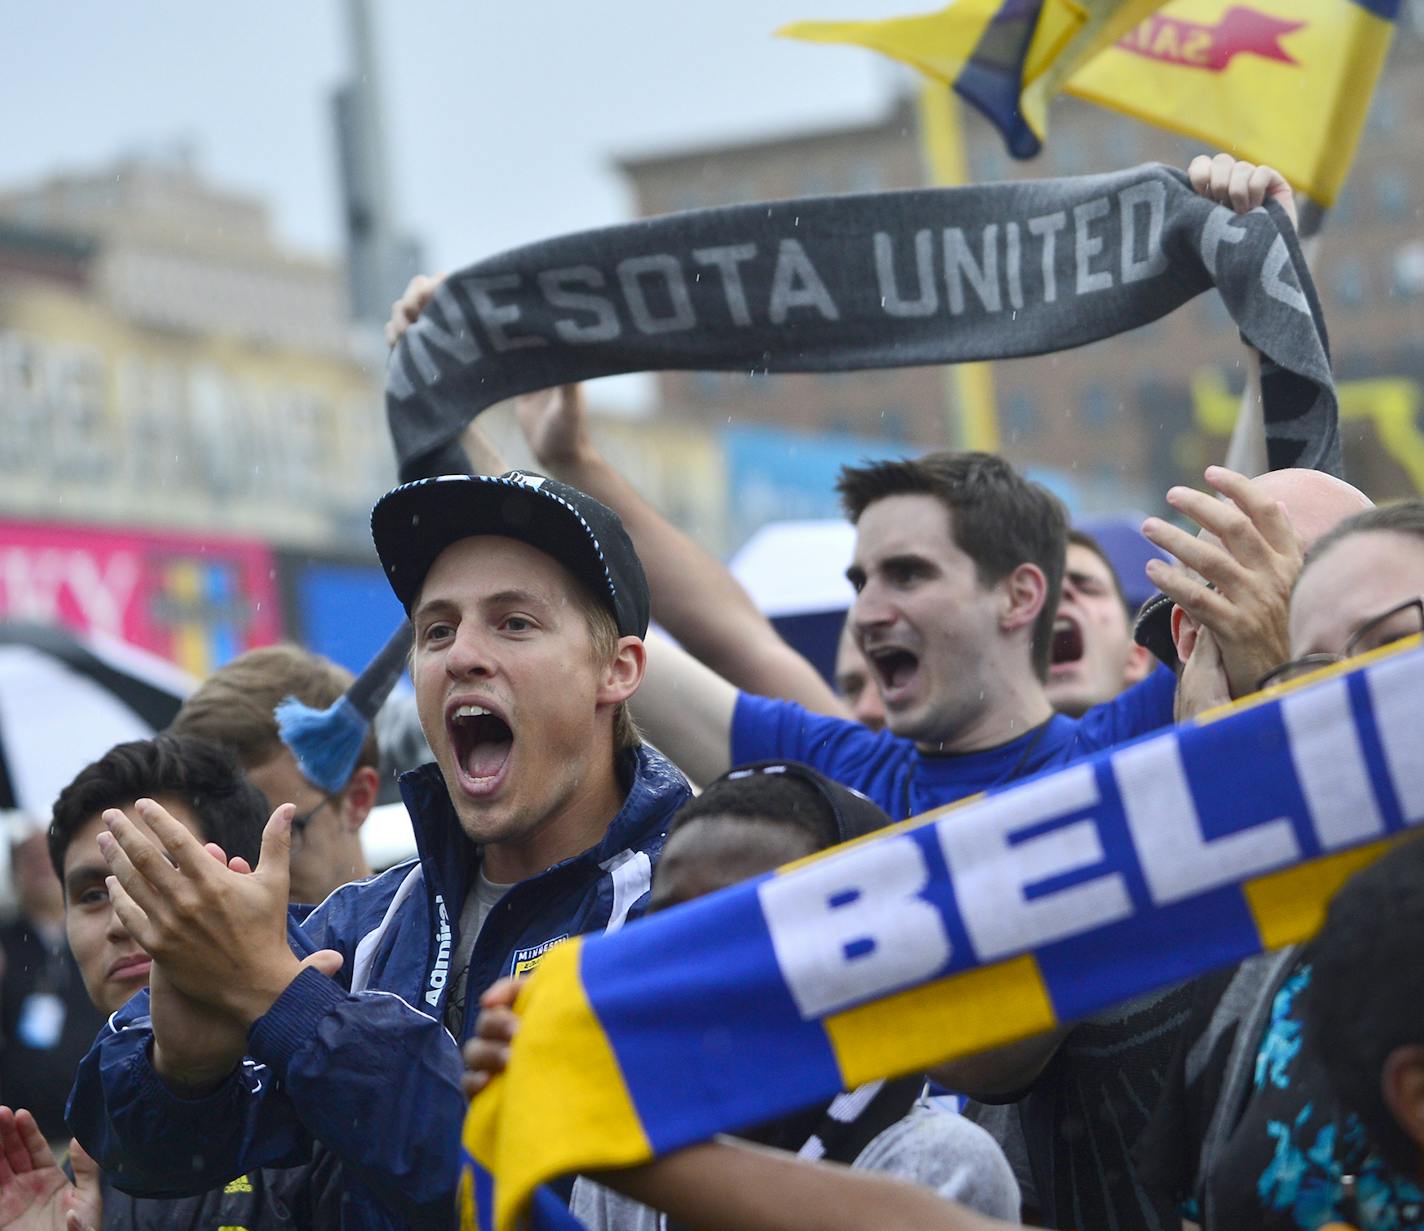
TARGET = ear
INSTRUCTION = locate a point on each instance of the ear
(360, 794)
(1402, 1086)
(1025, 591)
(1140, 661)
(1184, 633)
(624, 671)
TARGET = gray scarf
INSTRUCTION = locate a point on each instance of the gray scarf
(880, 280)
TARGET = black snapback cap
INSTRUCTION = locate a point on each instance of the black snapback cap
(1153, 629)
(415, 522)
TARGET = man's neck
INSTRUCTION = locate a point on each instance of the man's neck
(578, 824)
(1013, 712)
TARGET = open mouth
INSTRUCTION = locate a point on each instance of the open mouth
(481, 741)
(895, 668)
(1067, 641)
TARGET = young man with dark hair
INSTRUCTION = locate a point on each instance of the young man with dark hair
(1094, 656)
(200, 786)
(541, 818)
(957, 568)
(233, 709)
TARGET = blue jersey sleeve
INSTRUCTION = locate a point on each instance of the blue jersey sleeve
(872, 762)
(1139, 710)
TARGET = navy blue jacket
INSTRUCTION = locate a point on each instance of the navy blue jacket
(363, 1063)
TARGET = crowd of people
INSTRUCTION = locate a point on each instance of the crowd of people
(270, 1035)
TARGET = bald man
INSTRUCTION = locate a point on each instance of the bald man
(1231, 592)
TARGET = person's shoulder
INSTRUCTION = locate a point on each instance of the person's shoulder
(944, 1150)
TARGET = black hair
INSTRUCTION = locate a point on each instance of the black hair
(202, 775)
(1367, 985)
(999, 519)
(1081, 538)
(787, 793)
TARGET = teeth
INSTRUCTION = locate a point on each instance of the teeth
(472, 711)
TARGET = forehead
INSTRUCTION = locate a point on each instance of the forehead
(915, 524)
(740, 846)
(280, 780)
(485, 564)
(1360, 577)
(83, 847)
(1086, 561)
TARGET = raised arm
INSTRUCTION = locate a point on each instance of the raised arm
(695, 597)
(726, 1185)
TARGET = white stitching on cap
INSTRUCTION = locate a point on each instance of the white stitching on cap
(521, 482)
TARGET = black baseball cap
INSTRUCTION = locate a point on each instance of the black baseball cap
(852, 814)
(415, 522)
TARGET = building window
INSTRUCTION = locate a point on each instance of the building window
(1098, 407)
(1020, 415)
(1349, 282)
(866, 177)
(1392, 193)
(1407, 273)
(1383, 117)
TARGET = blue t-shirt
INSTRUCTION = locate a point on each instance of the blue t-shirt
(905, 781)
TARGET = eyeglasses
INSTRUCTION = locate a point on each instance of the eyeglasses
(1403, 620)
(300, 823)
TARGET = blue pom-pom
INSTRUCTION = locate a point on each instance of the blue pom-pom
(325, 743)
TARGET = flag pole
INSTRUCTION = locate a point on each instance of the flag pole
(942, 152)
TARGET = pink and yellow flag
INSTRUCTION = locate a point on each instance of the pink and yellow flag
(1286, 82)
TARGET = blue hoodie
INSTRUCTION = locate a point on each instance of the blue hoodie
(363, 1062)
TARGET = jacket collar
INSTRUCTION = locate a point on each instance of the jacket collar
(656, 789)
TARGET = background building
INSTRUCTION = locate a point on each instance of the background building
(1108, 426)
(179, 397)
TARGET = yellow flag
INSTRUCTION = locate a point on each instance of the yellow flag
(1007, 57)
(1286, 82)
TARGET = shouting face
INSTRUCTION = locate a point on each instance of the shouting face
(1094, 656)
(927, 625)
(515, 699)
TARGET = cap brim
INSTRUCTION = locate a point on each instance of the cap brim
(415, 523)
(1153, 629)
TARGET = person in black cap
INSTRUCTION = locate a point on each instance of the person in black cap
(541, 818)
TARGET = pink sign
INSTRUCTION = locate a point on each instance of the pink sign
(195, 601)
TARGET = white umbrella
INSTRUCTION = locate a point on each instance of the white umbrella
(65, 700)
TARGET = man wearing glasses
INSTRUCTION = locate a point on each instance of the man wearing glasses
(1361, 587)
(233, 709)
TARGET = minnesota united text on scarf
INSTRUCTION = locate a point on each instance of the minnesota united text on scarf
(952, 933)
(871, 281)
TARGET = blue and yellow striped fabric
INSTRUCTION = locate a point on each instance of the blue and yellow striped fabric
(951, 933)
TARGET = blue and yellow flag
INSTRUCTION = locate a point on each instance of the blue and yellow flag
(1286, 82)
(950, 934)
(1007, 57)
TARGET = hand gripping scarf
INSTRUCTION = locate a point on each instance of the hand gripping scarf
(880, 280)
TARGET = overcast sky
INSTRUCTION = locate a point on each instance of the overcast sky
(503, 118)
